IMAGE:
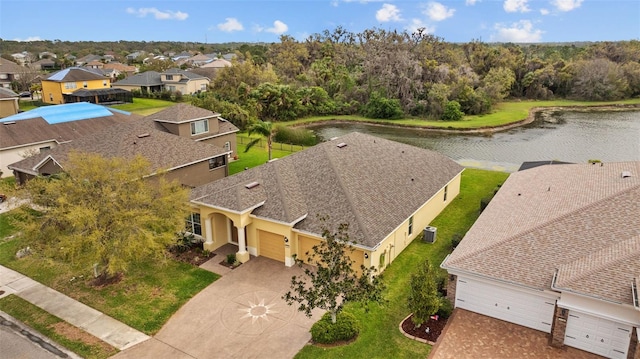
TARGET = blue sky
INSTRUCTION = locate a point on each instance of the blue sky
(217, 21)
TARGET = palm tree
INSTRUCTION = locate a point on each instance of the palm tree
(264, 128)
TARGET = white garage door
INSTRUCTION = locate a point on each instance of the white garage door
(597, 335)
(510, 305)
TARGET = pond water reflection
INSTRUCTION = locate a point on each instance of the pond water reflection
(567, 136)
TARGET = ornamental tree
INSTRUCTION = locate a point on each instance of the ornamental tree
(424, 299)
(102, 214)
(331, 281)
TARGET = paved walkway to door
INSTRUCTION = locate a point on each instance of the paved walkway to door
(470, 335)
(241, 315)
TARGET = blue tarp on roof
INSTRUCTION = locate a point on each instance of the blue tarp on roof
(65, 113)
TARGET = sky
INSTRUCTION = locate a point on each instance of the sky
(220, 21)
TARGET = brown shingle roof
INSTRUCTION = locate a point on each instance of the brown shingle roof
(10, 67)
(559, 217)
(162, 149)
(182, 112)
(372, 183)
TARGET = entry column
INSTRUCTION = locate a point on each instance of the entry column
(208, 234)
(242, 254)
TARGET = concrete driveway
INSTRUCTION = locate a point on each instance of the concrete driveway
(471, 335)
(241, 315)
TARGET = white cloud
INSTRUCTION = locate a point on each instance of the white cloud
(388, 13)
(438, 12)
(230, 25)
(566, 5)
(515, 6)
(278, 28)
(30, 38)
(471, 2)
(521, 31)
(417, 23)
(159, 15)
(257, 28)
(544, 11)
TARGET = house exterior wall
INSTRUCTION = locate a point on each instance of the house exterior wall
(127, 87)
(49, 168)
(9, 107)
(197, 174)
(617, 312)
(220, 141)
(13, 155)
(52, 91)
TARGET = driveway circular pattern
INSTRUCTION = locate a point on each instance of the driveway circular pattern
(253, 313)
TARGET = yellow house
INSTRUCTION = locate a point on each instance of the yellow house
(67, 81)
(8, 102)
(387, 192)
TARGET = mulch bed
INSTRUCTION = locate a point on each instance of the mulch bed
(435, 328)
(194, 255)
(229, 265)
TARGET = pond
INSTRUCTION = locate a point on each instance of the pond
(563, 136)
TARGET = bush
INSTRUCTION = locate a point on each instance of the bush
(345, 328)
(446, 308)
(382, 107)
(452, 112)
(457, 237)
(295, 136)
(231, 258)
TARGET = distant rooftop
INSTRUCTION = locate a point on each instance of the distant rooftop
(65, 113)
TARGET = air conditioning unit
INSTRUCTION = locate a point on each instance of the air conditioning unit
(429, 234)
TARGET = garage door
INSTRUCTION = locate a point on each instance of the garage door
(597, 335)
(507, 304)
(271, 245)
(305, 245)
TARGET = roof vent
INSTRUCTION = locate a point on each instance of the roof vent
(625, 174)
(333, 138)
(143, 135)
(9, 123)
(341, 145)
(251, 185)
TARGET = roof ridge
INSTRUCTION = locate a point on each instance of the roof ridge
(635, 250)
(543, 224)
(355, 212)
(281, 192)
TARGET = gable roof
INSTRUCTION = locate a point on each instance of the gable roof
(185, 74)
(60, 123)
(371, 183)
(10, 67)
(141, 137)
(74, 74)
(147, 78)
(575, 218)
(7, 93)
(182, 112)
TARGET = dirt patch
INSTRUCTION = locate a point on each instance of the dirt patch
(75, 334)
(230, 265)
(193, 255)
(104, 280)
(429, 331)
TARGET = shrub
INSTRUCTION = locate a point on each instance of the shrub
(295, 136)
(345, 328)
(446, 308)
(382, 107)
(452, 112)
(456, 238)
(231, 258)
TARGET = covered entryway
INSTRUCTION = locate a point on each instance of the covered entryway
(271, 245)
(597, 335)
(526, 309)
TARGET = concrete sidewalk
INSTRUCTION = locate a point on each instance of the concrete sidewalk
(73, 312)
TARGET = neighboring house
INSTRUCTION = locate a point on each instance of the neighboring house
(88, 59)
(47, 55)
(199, 60)
(121, 68)
(218, 64)
(59, 86)
(8, 102)
(211, 69)
(387, 192)
(9, 72)
(44, 64)
(558, 250)
(146, 82)
(46, 127)
(198, 125)
(134, 55)
(184, 81)
(22, 58)
(189, 162)
(95, 64)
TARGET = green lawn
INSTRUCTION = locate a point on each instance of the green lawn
(504, 113)
(258, 154)
(145, 298)
(380, 337)
(56, 329)
(144, 106)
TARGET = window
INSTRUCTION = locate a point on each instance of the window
(69, 85)
(410, 225)
(193, 224)
(104, 83)
(216, 162)
(446, 189)
(172, 88)
(199, 127)
(169, 77)
(203, 87)
(45, 148)
(227, 146)
(85, 84)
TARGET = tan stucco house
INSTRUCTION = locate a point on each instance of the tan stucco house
(8, 102)
(43, 128)
(558, 250)
(386, 191)
(171, 80)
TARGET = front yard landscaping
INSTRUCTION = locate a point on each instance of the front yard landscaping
(379, 335)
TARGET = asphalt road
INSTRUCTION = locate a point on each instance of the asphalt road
(19, 342)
